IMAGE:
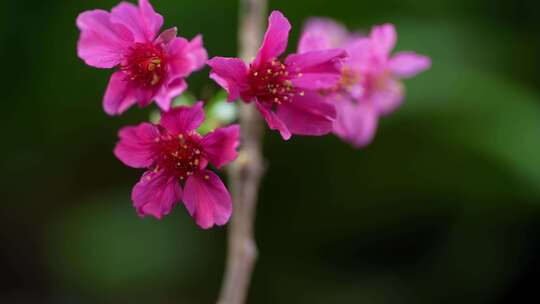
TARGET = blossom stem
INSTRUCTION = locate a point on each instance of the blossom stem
(246, 172)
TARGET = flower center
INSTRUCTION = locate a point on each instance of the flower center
(349, 78)
(180, 155)
(350, 84)
(271, 82)
(145, 64)
(376, 82)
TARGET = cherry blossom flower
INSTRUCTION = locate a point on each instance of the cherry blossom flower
(286, 92)
(150, 66)
(370, 84)
(176, 158)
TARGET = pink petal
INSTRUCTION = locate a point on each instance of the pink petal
(273, 121)
(317, 60)
(207, 200)
(316, 81)
(310, 114)
(144, 95)
(197, 53)
(384, 38)
(408, 64)
(360, 54)
(179, 64)
(119, 96)
(313, 42)
(170, 91)
(185, 57)
(151, 20)
(388, 98)
(220, 145)
(183, 119)
(101, 43)
(166, 36)
(135, 148)
(128, 15)
(156, 194)
(321, 34)
(356, 123)
(317, 69)
(275, 38)
(231, 74)
(142, 21)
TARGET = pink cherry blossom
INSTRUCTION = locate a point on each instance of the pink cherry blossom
(150, 67)
(286, 92)
(176, 158)
(370, 85)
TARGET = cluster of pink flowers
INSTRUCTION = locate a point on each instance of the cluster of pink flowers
(153, 67)
(336, 82)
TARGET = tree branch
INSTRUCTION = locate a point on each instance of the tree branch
(246, 172)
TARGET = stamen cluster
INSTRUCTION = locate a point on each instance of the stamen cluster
(179, 155)
(271, 82)
(145, 64)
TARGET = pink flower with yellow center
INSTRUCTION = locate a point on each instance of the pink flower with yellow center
(286, 92)
(370, 84)
(176, 158)
(150, 67)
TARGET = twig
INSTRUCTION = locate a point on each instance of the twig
(246, 172)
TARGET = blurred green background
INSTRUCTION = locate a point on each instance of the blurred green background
(443, 207)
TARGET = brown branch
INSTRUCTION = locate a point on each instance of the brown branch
(246, 172)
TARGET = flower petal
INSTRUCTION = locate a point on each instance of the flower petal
(197, 53)
(356, 123)
(273, 121)
(166, 36)
(183, 119)
(170, 91)
(383, 38)
(179, 65)
(145, 94)
(128, 15)
(119, 96)
(275, 38)
(156, 194)
(220, 145)
(207, 200)
(316, 60)
(388, 98)
(313, 42)
(321, 34)
(408, 64)
(135, 146)
(230, 74)
(185, 57)
(102, 43)
(317, 69)
(360, 54)
(142, 21)
(316, 81)
(310, 114)
(151, 20)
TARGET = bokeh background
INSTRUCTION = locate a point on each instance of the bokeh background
(443, 207)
